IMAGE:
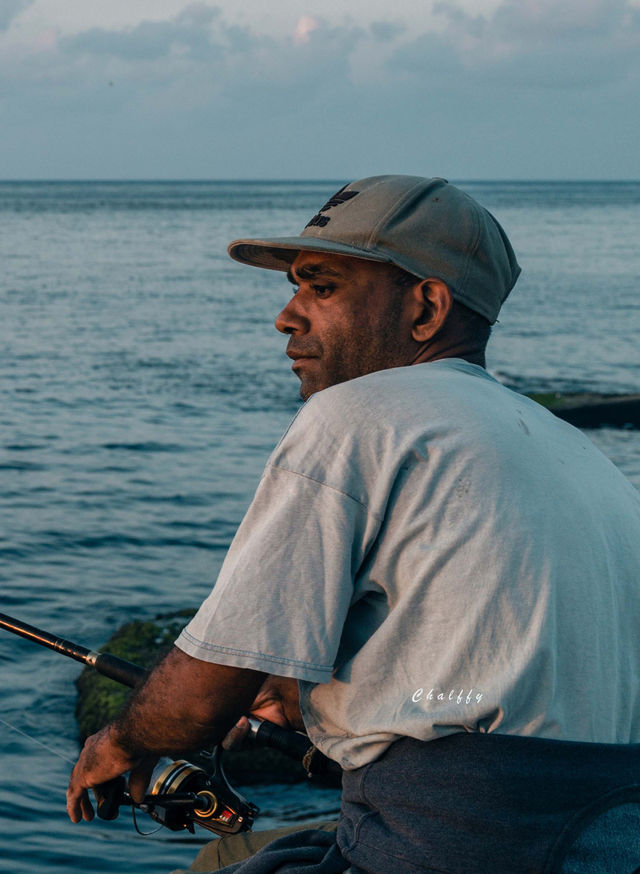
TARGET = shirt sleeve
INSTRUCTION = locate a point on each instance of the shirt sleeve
(285, 587)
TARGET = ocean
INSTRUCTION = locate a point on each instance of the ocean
(142, 388)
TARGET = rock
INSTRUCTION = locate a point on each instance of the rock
(593, 410)
(144, 643)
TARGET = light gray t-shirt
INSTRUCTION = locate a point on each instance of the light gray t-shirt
(430, 552)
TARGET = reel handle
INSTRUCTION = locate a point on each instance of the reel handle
(109, 797)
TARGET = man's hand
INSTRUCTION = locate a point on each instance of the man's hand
(102, 759)
(277, 701)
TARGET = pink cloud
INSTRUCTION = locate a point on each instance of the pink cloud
(305, 26)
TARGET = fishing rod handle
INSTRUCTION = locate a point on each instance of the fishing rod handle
(298, 746)
(269, 734)
(117, 669)
(109, 797)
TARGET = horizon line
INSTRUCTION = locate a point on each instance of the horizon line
(284, 180)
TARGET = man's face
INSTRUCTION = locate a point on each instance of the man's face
(346, 318)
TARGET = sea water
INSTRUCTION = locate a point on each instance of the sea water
(142, 387)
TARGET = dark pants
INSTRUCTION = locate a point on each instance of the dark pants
(477, 804)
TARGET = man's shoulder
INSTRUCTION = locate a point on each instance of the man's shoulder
(348, 420)
(355, 397)
(371, 401)
(393, 393)
(387, 407)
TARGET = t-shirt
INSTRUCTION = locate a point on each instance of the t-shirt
(429, 552)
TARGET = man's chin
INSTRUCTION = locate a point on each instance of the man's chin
(309, 387)
(311, 376)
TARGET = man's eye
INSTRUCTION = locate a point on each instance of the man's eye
(322, 290)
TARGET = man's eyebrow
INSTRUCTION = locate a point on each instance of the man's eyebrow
(311, 271)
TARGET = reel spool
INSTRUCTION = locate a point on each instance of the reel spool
(183, 794)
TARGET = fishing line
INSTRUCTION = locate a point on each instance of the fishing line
(137, 827)
(36, 741)
(65, 759)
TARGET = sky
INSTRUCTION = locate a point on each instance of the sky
(326, 89)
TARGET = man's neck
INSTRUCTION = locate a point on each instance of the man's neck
(451, 349)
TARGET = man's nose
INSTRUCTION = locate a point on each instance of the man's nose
(292, 319)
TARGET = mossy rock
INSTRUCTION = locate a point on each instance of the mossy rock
(548, 399)
(145, 643)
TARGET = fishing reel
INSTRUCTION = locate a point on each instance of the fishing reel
(183, 795)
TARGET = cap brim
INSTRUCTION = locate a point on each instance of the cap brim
(280, 252)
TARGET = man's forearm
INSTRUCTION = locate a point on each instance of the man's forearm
(185, 704)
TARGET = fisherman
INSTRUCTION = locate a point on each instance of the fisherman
(419, 529)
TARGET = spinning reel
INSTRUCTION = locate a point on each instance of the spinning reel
(183, 795)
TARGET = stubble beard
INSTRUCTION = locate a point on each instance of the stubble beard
(368, 351)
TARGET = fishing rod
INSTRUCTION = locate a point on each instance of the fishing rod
(111, 666)
(183, 793)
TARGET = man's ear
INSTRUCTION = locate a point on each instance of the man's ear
(432, 304)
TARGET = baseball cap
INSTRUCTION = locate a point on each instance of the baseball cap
(426, 226)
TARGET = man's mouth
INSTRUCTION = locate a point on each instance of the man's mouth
(300, 355)
(302, 363)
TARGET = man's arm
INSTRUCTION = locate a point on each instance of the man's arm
(185, 704)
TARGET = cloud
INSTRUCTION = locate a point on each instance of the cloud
(192, 95)
(199, 45)
(188, 73)
(548, 19)
(189, 32)
(386, 31)
(9, 9)
(304, 28)
(531, 43)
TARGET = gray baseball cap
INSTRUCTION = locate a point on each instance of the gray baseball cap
(426, 226)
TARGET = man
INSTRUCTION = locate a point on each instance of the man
(448, 572)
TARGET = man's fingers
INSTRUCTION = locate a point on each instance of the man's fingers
(101, 759)
(140, 776)
(73, 809)
(78, 804)
(86, 806)
(278, 701)
(236, 736)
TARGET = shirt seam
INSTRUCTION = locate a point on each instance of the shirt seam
(213, 647)
(326, 485)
